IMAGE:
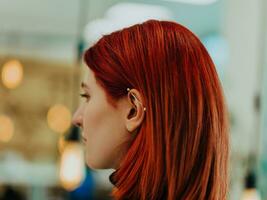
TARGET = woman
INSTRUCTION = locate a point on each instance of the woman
(155, 112)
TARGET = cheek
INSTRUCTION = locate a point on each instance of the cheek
(93, 123)
(104, 132)
(92, 118)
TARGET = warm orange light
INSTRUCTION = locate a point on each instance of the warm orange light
(12, 74)
(61, 144)
(59, 118)
(251, 194)
(72, 166)
(6, 128)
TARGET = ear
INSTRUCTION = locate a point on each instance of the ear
(134, 110)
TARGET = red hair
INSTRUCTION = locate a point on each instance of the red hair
(181, 150)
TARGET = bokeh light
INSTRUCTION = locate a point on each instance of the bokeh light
(61, 143)
(59, 118)
(6, 128)
(12, 74)
(72, 168)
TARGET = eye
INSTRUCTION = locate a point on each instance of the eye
(86, 96)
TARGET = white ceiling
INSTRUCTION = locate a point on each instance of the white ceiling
(50, 28)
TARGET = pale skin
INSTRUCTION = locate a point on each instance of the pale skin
(104, 127)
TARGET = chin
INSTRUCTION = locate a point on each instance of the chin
(92, 164)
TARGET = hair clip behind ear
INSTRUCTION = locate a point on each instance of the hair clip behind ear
(128, 89)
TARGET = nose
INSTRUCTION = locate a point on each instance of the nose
(77, 119)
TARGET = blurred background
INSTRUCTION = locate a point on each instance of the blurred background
(41, 43)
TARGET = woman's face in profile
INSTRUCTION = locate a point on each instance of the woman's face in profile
(102, 126)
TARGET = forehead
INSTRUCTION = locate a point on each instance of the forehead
(91, 82)
(89, 77)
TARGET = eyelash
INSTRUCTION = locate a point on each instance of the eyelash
(85, 96)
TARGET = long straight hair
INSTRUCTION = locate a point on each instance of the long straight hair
(181, 150)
